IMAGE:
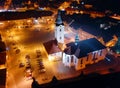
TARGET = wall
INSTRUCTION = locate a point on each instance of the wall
(93, 57)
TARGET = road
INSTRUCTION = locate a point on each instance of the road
(27, 41)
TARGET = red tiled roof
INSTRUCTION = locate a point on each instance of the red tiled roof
(52, 47)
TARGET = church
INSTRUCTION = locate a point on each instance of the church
(75, 54)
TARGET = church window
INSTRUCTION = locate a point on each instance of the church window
(94, 55)
(60, 37)
(60, 30)
(75, 61)
(72, 59)
(68, 59)
(87, 58)
(100, 52)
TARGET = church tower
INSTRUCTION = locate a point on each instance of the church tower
(59, 29)
(77, 39)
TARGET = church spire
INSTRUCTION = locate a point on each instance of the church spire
(59, 19)
(77, 39)
(59, 30)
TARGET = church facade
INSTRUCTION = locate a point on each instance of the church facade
(59, 29)
(78, 53)
(84, 52)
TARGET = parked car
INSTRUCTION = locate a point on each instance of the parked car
(42, 70)
(27, 56)
(38, 53)
(28, 73)
(17, 51)
(21, 65)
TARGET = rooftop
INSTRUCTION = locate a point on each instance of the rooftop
(51, 47)
(92, 26)
(85, 46)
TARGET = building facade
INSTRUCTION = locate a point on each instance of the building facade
(78, 53)
(59, 29)
(53, 50)
(85, 52)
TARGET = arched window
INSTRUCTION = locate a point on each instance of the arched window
(100, 52)
(94, 54)
(60, 37)
(72, 59)
(87, 58)
(75, 61)
(60, 30)
(67, 58)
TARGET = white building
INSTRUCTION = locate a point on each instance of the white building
(78, 53)
(53, 50)
(84, 52)
(59, 29)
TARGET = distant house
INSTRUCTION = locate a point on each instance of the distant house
(93, 26)
(79, 54)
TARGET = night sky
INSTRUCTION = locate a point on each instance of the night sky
(113, 5)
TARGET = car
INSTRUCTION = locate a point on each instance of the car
(17, 51)
(42, 70)
(40, 63)
(13, 43)
(28, 64)
(38, 53)
(27, 56)
(39, 60)
(15, 48)
(42, 67)
(21, 65)
(28, 73)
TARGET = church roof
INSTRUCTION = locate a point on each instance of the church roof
(59, 19)
(52, 47)
(83, 47)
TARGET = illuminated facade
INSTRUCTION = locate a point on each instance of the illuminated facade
(79, 54)
(59, 30)
(53, 50)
